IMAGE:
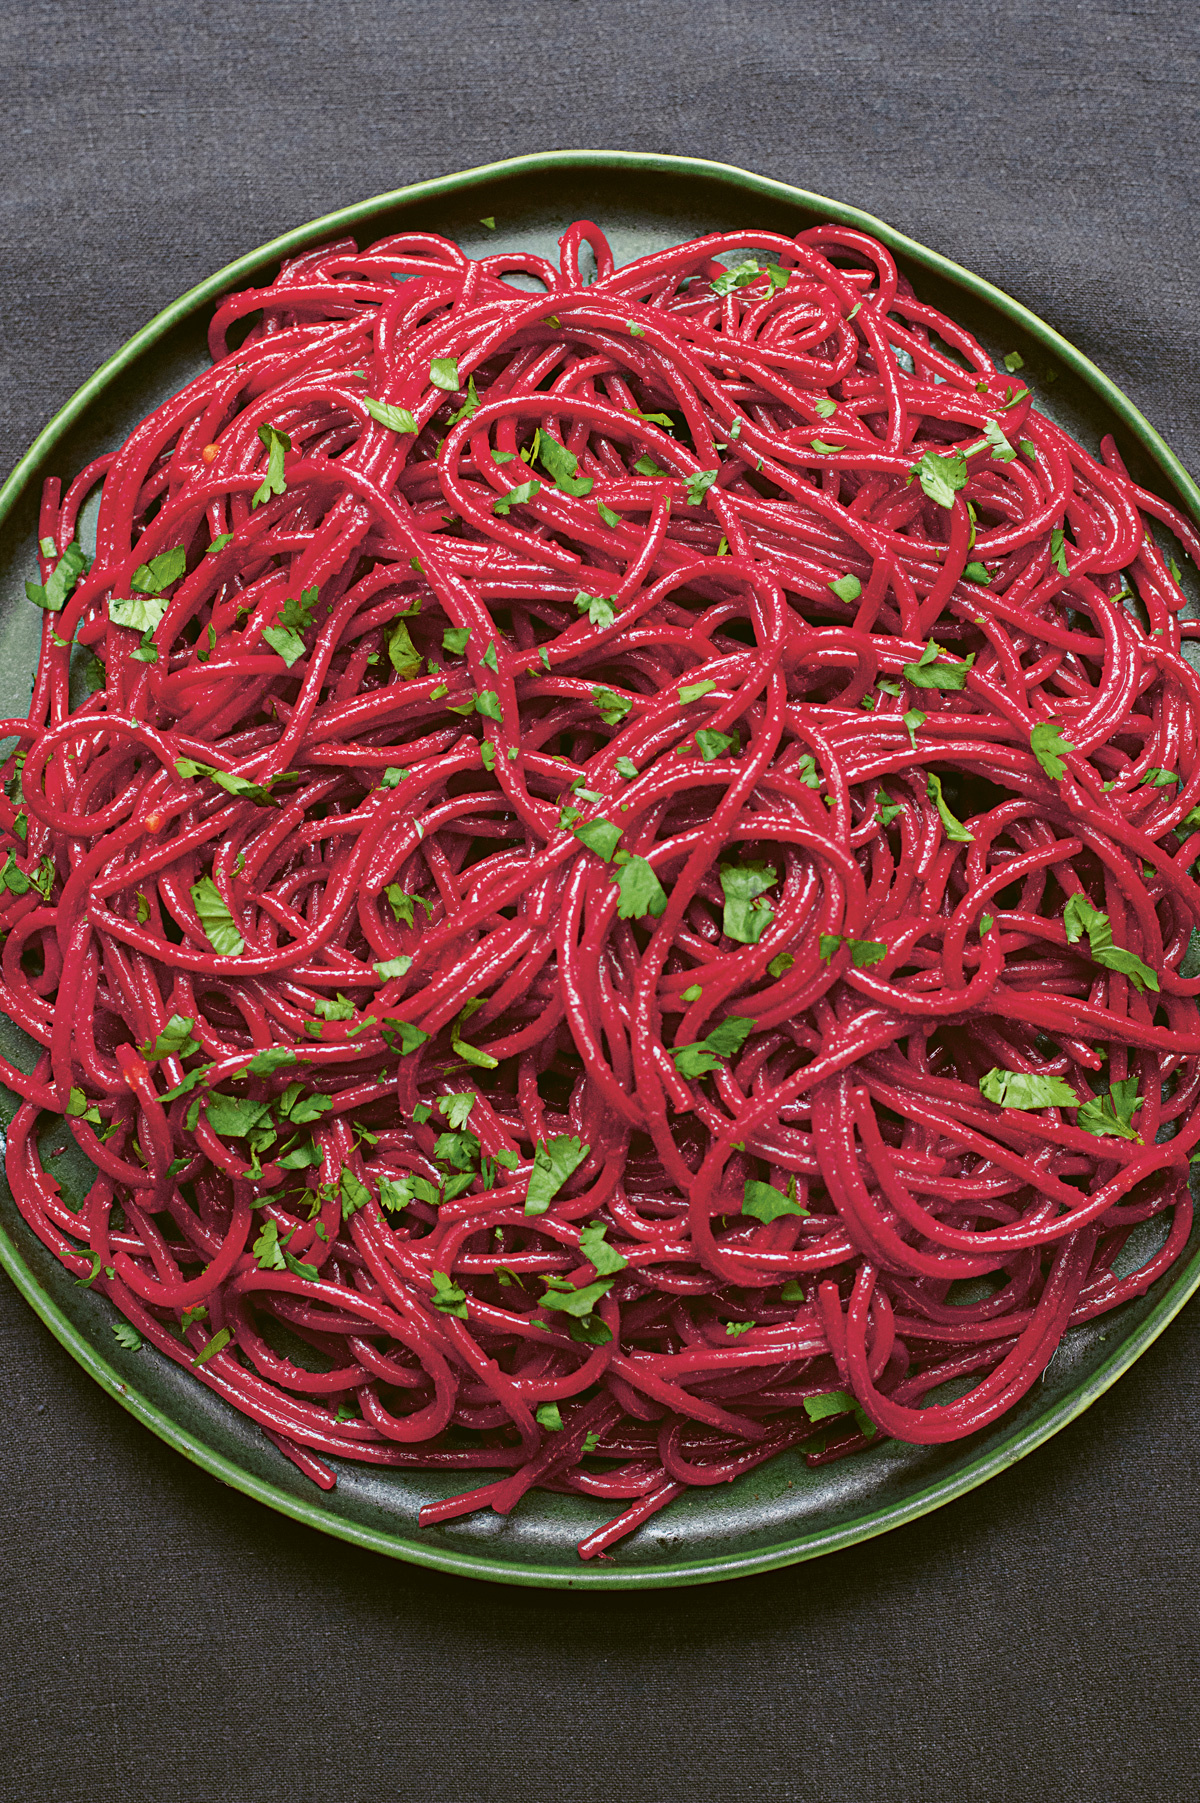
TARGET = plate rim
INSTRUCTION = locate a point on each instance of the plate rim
(678, 1572)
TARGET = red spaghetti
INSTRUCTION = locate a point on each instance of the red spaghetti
(625, 840)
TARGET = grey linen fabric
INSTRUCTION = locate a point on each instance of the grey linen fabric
(167, 1638)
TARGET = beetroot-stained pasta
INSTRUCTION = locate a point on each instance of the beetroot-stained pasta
(623, 841)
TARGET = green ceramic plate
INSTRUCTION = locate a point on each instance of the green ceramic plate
(781, 1512)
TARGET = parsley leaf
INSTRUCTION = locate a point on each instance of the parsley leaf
(846, 588)
(912, 720)
(1079, 917)
(977, 572)
(127, 1336)
(175, 1040)
(1048, 747)
(607, 514)
(61, 580)
(953, 825)
(403, 655)
(599, 609)
(595, 1248)
(354, 1195)
(1112, 1115)
(699, 485)
(839, 1402)
(765, 1203)
(1058, 555)
(561, 466)
(746, 918)
(267, 1250)
(547, 1415)
(692, 691)
(711, 744)
(1002, 451)
(402, 904)
(271, 1058)
(235, 1117)
(562, 1294)
(78, 1108)
(457, 1107)
(517, 496)
(239, 786)
(443, 373)
(161, 571)
(639, 890)
(612, 707)
(275, 484)
(553, 1162)
(403, 1036)
(1026, 1090)
(929, 674)
(396, 419)
(341, 1009)
(600, 836)
(216, 920)
(706, 1054)
(941, 477)
(738, 276)
(141, 613)
(447, 1296)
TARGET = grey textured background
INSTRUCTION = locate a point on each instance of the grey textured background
(167, 1639)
